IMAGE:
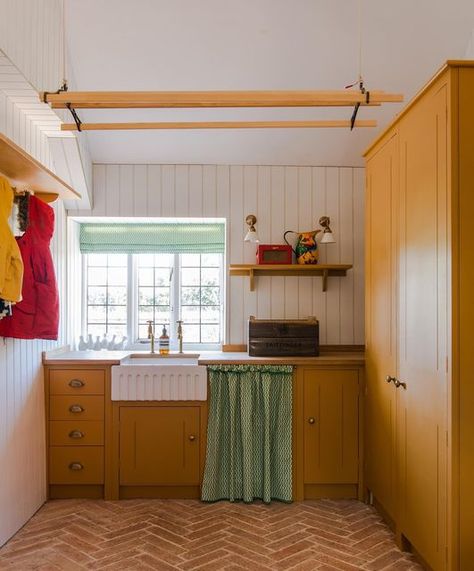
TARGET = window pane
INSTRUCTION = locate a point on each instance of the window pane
(191, 334)
(145, 313)
(96, 259)
(96, 314)
(190, 296)
(117, 314)
(142, 332)
(190, 276)
(211, 260)
(162, 296)
(97, 276)
(162, 315)
(210, 333)
(146, 260)
(117, 276)
(96, 295)
(95, 330)
(118, 330)
(164, 260)
(117, 295)
(162, 277)
(146, 295)
(210, 276)
(210, 296)
(190, 314)
(190, 260)
(211, 314)
(145, 277)
(117, 260)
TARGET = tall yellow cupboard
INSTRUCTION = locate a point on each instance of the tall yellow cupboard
(420, 311)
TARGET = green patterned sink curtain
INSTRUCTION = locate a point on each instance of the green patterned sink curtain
(249, 434)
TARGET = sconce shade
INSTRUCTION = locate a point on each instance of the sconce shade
(327, 238)
(251, 235)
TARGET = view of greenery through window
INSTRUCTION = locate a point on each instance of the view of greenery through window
(163, 288)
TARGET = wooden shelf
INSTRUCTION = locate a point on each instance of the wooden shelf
(26, 173)
(310, 270)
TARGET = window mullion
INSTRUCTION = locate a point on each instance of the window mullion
(175, 301)
(132, 300)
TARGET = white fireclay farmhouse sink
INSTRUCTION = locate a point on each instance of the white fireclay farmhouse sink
(146, 377)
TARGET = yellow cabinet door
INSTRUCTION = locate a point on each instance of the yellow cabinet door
(382, 204)
(331, 426)
(423, 330)
(159, 446)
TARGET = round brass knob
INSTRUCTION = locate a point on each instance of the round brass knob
(76, 408)
(76, 434)
(76, 383)
(76, 466)
(311, 420)
(192, 438)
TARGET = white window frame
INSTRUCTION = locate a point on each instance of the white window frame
(132, 308)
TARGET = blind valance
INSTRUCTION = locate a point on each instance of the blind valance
(153, 237)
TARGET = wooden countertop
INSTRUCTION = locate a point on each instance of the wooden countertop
(206, 358)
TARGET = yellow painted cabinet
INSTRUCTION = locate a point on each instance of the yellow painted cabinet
(418, 316)
(328, 425)
(160, 446)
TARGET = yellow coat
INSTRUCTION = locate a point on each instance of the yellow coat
(11, 264)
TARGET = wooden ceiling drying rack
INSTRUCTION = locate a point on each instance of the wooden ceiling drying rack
(27, 174)
(64, 99)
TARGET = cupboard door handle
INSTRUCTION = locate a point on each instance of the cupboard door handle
(76, 434)
(400, 384)
(76, 408)
(76, 383)
(76, 466)
(390, 379)
(192, 438)
(311, 420)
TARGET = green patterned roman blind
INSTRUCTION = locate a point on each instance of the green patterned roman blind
(153, 237)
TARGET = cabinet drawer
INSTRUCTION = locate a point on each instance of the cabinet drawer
(77, 433)
(75, 382)
(78, 407)
(76, 465)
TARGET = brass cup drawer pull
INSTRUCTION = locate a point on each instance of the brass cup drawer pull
(76, 383)
(76, 434)
(192, 438)
(76, 408)
(76, 466)
(311, 420)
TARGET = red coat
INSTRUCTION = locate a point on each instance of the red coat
(37, 315)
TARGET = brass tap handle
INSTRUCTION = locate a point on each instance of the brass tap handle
(311, 420)
(76, 434)
(192, 438)
(76, 383)
(179, 333)
(76, 466)
(151, 335)
(76, 408)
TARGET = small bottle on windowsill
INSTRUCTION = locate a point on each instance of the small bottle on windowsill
(164, 342)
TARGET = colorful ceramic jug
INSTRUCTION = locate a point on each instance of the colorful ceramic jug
(306, 249)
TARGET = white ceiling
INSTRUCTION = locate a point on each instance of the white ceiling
(255, 44)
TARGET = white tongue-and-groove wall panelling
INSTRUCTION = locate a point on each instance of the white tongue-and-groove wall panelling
(29, 36)
(282, 198)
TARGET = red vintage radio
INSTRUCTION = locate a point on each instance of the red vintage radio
(274, 254)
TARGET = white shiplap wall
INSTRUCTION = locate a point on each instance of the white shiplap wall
(29, 35)
(282, 198)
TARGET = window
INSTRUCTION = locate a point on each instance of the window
(125, 291)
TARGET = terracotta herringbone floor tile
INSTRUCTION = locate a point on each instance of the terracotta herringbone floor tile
(187, 535)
